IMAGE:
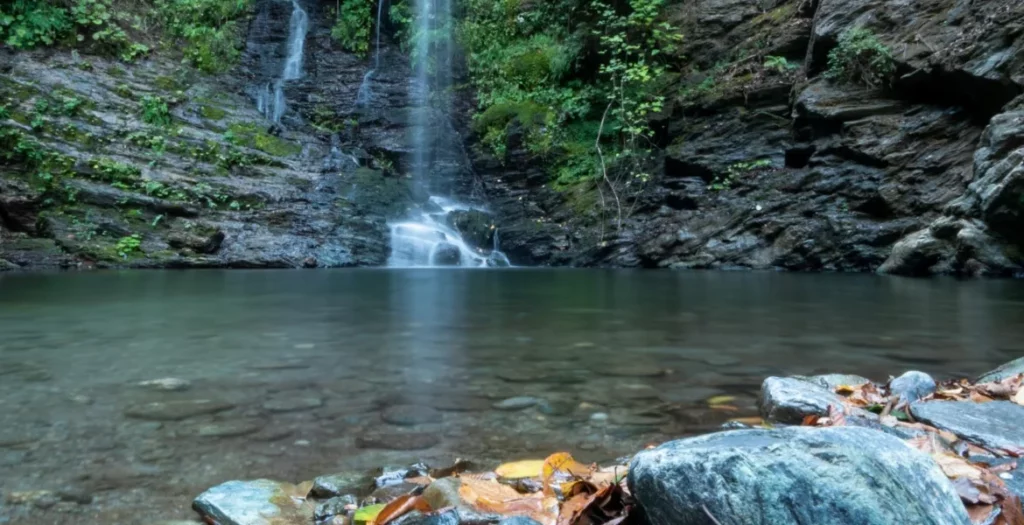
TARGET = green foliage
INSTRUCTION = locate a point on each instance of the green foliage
(354, 25)
(110, 170)
(26, 24)
(860, 58)
(208, 28)
(128, 245)
(778, 63)
(156, 111)
(144, 139)
(734, 171)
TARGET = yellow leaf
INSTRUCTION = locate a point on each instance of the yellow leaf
(721, 400)
(531, 468)
(368, 514)
(957, 467)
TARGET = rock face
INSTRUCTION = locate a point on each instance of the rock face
(821, 176)
(789, 400)
(793, 475)
(995, 425)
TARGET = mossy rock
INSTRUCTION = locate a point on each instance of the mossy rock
(254, 136)
(381, 195)
(529, 114)
(210, 112)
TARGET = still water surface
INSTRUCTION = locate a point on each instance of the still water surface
(325, 371)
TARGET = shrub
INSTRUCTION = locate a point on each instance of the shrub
(155, 111)
(26, 23)
(860, 58)
(128, 245)
(354, 26)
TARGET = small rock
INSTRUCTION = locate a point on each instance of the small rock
(410, 415)
(995, 425)
(167, 384)
(177, 410)
(229, 429)
(443, 493)
(517, 403)
(75, 495)
(1010, 369)
(912, 386)
(335, 485)
(789, 400)
(334, 507)
(259, 502)
(302, 443)
(292, 404)
(831, 381)
(599, 417)
(793, 475)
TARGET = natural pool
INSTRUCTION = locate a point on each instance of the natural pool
(307, 373)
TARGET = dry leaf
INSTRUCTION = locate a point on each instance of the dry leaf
(978, 397)
(957, 467)
(811, 420)
(752, 421)
(400, 507)
(980, 513)
(491, 496)
(721, 400)
(1012, 513)
(1019, 397)
(836, 416)
(562, 463)
(521, 469)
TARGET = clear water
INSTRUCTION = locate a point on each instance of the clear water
(645, 348)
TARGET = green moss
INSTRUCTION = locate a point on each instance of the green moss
(529, 114)
(116, 72)
(209, 112)
(252, 135)
(169, 83)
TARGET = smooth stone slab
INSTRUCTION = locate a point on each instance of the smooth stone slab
(997, 424)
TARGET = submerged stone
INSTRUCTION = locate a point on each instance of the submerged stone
(169, 384)
(995, 425)
(410, 415)
(395, 440)
(340, 484)
(518, 403)
(793, 475)
(176, 410)
(292, 404)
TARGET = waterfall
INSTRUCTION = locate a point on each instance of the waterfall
(365, 89)
(430, 238)
(271, 101)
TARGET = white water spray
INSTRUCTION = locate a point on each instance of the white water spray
(365, 89)
(429, 239)
(271, 101)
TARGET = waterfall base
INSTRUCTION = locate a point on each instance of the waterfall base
(429, 241)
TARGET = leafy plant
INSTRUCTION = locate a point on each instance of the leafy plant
(353, 26)
(26, 24)
(156, 111)
(128, 245)
(208, 28)
(860, 58)
(778, 63)
(734, 171)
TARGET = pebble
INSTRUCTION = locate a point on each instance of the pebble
(167, 384)
(302, 443)
(599, 417)
(517, 403)
(292, 404)
(176, 410)
(229, 429)
(410, 415)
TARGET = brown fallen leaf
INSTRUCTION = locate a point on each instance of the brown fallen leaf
(811, 420)
(957, 467)
(562, 463)
(574, 508)
(1012, 513)
(400, 507)
(521, 469)
(978, 397)
(980, 513)
(1018, 397)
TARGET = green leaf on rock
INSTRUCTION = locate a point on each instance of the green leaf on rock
(368, 514)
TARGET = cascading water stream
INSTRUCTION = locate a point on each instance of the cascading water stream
(365, 89)
(430, 238)
(271, 101)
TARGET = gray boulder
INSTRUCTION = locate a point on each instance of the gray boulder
(1010, 369)
(258, 502)
(446, 254)
(996, 425)
(831, 381)
(789, 400)
(340, 484)
(912, 386)
(806, 475)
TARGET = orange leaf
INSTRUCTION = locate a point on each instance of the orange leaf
(980, 513)
(1012, 513)
(562, 462)
(811, 420)
(752, 421)
(400, 507)
(957, 467)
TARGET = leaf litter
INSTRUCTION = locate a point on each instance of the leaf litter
(976, 481)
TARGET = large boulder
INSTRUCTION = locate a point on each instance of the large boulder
(997, 425)
(801, 475)
(1010, 369)
(789, 400)
(475, 227)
